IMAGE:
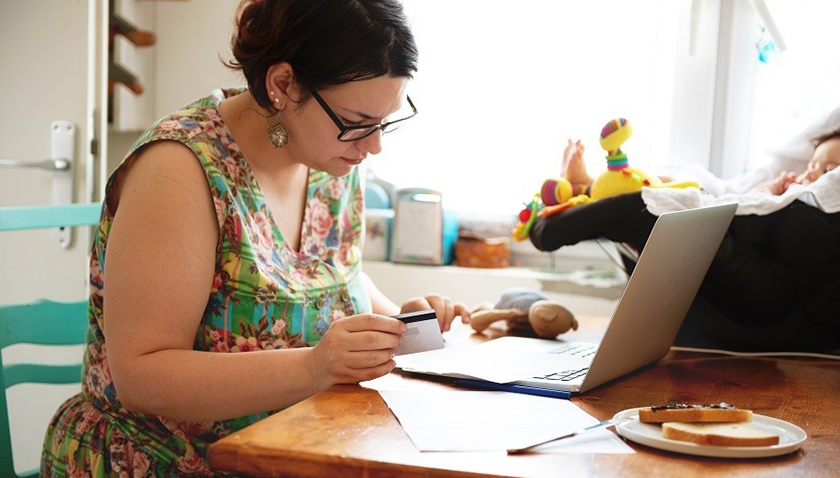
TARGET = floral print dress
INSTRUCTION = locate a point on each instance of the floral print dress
(264, 296)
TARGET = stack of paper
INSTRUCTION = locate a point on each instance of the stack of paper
(470, 421)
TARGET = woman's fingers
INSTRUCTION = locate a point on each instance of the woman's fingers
(463, 311)
(357, 348)
(438, 303)
(450, 314)
(413, 305)
(445, 309)
(382, 323)
(368, 359)
(352, 375)
(371, 340)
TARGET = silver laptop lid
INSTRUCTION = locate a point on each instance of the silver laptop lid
(660, 291)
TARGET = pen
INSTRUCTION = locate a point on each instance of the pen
(580, 431)
(541, 392)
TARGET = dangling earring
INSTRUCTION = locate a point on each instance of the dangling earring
(277, 133)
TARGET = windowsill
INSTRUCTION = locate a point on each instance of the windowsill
(587, 292)
(583, 277)
(604, 284)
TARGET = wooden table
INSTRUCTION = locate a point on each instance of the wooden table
(348, 431)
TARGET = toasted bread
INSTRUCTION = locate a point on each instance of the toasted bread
(681, 412)
(719, 434)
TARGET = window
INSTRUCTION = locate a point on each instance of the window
(800, 84)
(502, 85)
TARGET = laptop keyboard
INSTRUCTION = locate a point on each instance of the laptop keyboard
(575, 350)
(566, 375)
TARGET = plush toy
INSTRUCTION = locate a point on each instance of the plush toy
(525, 310)
(558, 194)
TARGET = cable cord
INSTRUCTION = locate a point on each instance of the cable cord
(756, 354)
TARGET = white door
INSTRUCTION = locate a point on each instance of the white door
(43, 78)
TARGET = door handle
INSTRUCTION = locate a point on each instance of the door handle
(63, 152)
(59, 164)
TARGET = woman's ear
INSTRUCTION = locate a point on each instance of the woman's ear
(281, 86)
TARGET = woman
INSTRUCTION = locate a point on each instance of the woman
(234, 225)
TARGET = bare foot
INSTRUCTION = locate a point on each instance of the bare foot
(574, 169)
(778, 186)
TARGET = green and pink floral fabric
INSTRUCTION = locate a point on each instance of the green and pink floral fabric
(264, 296)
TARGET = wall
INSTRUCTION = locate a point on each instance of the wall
(581, 293)
(186, 64)
(192, 37)
(44, 78)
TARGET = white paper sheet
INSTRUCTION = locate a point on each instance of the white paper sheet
(469, 421)
(489, 362)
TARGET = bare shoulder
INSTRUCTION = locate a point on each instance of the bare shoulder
(162, 198)
(164, 167)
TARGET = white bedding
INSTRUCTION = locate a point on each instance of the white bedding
(793, 156)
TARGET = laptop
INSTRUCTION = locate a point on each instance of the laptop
(650, 312)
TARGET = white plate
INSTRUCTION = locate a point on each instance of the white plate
(790, 438)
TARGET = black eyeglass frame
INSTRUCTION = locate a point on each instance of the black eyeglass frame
(343, 128)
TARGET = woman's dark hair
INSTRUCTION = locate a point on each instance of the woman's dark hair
(327, 42)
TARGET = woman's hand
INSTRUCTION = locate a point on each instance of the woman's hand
(444, 308)
(356, 349)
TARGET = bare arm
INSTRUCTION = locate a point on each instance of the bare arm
(445, 309)
(380, 303)
(160, 265)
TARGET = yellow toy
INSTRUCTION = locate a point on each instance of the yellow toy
(558, 194)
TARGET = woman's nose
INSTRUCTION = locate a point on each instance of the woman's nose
(372, 144)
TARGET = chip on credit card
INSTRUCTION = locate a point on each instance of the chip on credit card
(423, 332)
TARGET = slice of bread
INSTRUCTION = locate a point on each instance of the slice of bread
(680, 412)
(719, 434)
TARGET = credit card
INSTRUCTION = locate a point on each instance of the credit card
(423, 332)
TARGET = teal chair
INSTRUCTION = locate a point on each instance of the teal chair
(43, 322)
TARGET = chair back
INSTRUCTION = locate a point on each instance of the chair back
(43, 322)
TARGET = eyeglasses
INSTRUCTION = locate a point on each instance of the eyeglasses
(357, 132)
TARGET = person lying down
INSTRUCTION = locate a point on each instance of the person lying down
(826, 158)
(805, 169)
